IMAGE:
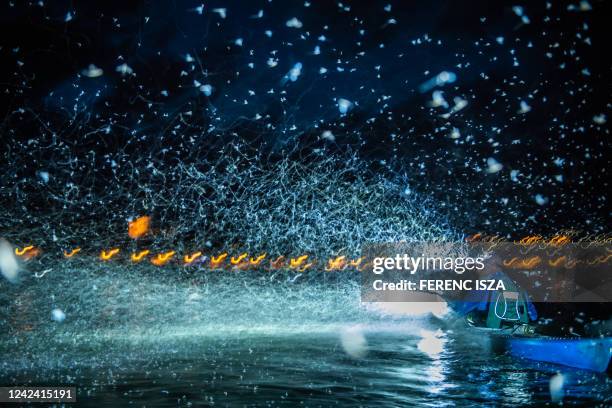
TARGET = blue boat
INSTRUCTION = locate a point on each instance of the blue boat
(507, 320)
(593, 354)
(586, 353)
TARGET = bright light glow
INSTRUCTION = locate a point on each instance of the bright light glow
(438, 308)
(432, 343)
(354, 342)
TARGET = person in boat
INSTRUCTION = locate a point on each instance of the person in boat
(496, 309)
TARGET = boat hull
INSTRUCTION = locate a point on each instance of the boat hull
(588, 354)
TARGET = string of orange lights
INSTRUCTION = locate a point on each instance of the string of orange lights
(140, 227)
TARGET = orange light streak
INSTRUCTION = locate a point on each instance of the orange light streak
(570, 264)
(557, 261)
(530, 240)
(356, 263)
(510, 262)
(137, 257)
(188, 259)
(107, 255)
(257, 260)
(215, 262)
(560, 240)
(21, 252)
(531, 262)
(336, 264)
(163, 258)
(72, 253)
(296, 262)
(599, 260)
(278, 262)
(306, 266)
(236, 261)
(473, 237)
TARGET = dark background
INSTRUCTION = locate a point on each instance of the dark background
(56, 119)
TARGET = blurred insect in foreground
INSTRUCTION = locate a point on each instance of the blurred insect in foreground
(9, 268)
(139, 227)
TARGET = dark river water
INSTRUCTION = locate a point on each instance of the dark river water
(145, 341)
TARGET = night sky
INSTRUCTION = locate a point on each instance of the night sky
(495, 112)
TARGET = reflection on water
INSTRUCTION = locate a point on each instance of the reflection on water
(431, 343)
(518, 389)
(138, 341)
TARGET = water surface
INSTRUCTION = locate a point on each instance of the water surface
(132, 338)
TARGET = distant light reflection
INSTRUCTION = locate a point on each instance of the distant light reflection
(438, 308)
(432, 343)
